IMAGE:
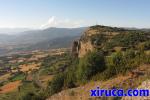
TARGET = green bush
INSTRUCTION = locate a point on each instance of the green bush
(32, 96)
(146, 45)
(106, 74)
(56, 84)
(98, 39)
(18, 76)
(90, 65)
(70, 79)
(127, 39)
(118, 62)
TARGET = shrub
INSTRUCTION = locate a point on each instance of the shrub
(127, 39)
(56, 84)
(118, 62)
(18, 76)
(98, 39)
(147, 45)
(106, 74)
(32, 96)
(89, 65)
(70, 79)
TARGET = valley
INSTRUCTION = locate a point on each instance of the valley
(50, 38)
(103, 56)
(74, 50)
(29, 69)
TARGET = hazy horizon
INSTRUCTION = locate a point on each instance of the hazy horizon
(15, 31)
(37, 14)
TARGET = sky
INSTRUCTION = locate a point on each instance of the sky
(39, 14)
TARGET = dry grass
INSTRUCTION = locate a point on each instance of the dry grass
(44, 79)
(10, 87)
(4, 77)
(28, 67)
(83, 92)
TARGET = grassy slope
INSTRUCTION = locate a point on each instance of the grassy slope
(125, 82)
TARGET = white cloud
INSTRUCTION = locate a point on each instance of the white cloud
(63, 23)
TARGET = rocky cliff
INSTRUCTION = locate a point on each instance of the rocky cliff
(94, 37)
(82, 46)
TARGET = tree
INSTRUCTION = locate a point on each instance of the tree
(118, 62)
(70, 79)
(56, 84)
(90, 65)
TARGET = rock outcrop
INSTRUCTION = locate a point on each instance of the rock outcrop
(75, 49)
(85, 43)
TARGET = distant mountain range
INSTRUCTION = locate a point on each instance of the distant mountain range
(26, 39)
(39, 39)
(13, 30)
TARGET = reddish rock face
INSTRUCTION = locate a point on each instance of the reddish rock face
(75, 49)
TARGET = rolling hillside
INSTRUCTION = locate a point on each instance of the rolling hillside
(108, 57)
(39, 39)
